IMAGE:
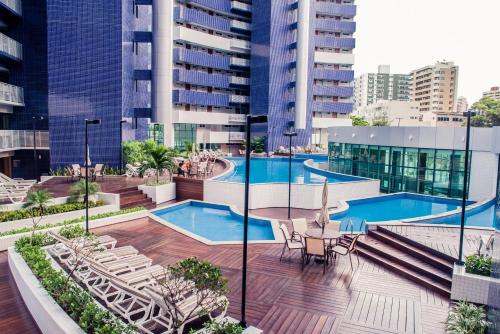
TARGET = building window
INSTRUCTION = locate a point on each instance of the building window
(184, 134)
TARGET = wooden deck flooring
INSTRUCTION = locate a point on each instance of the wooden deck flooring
(283, 299)
(444, 239)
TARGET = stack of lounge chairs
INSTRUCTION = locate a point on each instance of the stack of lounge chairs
(14, 190)
(126, 282)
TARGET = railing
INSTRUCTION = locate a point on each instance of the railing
(10, 94)
(237, 118)
(239, 81)
(235, 61)
(14, 5)
(241, 6)
(11, 47)
(240, 44)
(235, 24)
(238, 99)
(23, 139)
(237, 136)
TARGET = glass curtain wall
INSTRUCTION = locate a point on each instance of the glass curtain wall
(416, 170)
(184, 133)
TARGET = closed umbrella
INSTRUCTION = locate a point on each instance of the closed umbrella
(89, 163)
(323, 215)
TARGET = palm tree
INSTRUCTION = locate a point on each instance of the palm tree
(77, 191)
(159, 159)
(37, 201)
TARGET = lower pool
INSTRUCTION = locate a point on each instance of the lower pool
(215, 222)
(393, 207)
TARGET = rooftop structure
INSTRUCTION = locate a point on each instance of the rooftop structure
(394, 113)
(494, 92)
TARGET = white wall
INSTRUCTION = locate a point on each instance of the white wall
(483, 176)
(333, 58)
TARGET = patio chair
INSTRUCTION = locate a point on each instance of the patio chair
(76, 170)
(11, 194)
(344, 249)
(315, 247)
(486, 244)
(98, 171)
(193, 171)
(202, 168)
(333, 225)
(299, 228)
(132, 171)
(210, 169)
(290, 243)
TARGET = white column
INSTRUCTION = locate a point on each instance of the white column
(302, 64)
(161, 95)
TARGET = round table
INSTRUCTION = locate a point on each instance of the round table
(327, 234)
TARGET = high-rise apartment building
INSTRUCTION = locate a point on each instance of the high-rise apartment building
(435, 87)
(494, 92)
(462, 105)
(23, 88)
(190, 70)
(372, 87)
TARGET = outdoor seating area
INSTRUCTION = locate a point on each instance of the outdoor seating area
(14, 190)
(132, 287)
(198, 165)
(77, 172)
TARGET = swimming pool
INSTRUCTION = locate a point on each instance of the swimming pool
(215, 222)
(275, 170)
(393, 207)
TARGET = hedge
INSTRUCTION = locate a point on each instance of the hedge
(6, 216)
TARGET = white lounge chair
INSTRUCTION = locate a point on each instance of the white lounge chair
(16, 181)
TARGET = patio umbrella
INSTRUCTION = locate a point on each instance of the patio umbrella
(89, 163)
(323, 215)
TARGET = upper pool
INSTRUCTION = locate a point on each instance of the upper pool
(275, 170)
(393, 207)
(214, 222)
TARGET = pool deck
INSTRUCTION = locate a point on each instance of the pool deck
(283, 299)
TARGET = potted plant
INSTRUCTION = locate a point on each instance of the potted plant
(473, 281)
(161, 161)
(466, 318)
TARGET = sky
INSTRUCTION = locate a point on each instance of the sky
(409, 34)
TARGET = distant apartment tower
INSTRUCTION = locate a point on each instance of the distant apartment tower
(462, 105)
(372, 87)
(435, 87)
(494, 92)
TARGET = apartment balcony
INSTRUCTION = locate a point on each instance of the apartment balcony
(335, 42)
(331, 8)
(239, 81)
(240, 27)
(196, 17)
(239, 7)
(223, 137)
(13, 6)
(199, 58)
(333, 91)
(237, 118)
(221, 6)
(336, 75)
(331, 25)
(239, 62)
(10, 48)
(338, 107)
(11, 95)
(208, 118)
(334, 58)
(237, 136)
(201, 98)
(239, 99)
(11, 140)
(240, 45)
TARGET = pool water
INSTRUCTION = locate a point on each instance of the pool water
(215, 222)
(392, 207)
(275, 170)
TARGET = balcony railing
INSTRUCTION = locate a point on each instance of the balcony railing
(13, 5)
(11, 95)
(235, 61)
(237, 136)
(240, 25)
(237, 118)
(240, 6)
(11, 47)
(239, 81)
(240, 44)
(23, 139)
(239, 99)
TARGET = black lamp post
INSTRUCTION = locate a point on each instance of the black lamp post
(290, 133)
(35, 157)
(250, 120)
(464, 193)
(87, 122)
(121, 147)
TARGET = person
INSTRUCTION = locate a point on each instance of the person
(181, 170)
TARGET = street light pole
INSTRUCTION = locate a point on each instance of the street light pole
(464, 191)
(121, 147)
(250, 120)
(290, 133)
(87, 122)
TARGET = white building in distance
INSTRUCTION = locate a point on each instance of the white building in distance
(395, 113)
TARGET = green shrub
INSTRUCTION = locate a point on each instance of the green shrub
(76, 302)
(478, 265)
(72, 231)
(79, 189)
(73, 221)
(223, 327)
(466, 318)
(6, 216)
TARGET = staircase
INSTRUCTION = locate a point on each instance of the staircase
(132, 197)
(408, 258)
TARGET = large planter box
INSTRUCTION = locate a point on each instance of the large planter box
(474, 288)
(9, 240)
(159, 194)
(112, 204)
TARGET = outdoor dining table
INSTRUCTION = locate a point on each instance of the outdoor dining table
(326, 234)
